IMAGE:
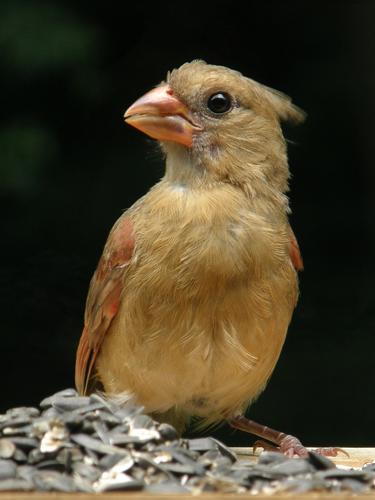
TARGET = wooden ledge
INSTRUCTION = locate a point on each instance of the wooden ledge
(358, 457)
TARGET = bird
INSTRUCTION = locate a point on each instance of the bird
(189, 307)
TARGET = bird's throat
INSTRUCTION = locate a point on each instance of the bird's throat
(181, 169)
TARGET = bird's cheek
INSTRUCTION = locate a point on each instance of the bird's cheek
(173, 128)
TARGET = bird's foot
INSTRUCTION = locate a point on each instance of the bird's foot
(289, 446)
(284, 443)
(292, 446)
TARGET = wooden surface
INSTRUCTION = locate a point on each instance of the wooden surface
(357, 458)
(206, 496)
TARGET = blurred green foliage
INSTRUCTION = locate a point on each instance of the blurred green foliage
(25, 151)
(36, 37)
(39, 41)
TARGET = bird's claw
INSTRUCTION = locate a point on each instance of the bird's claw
(260, 443)
(331, 452)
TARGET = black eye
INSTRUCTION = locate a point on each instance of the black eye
(219, 103)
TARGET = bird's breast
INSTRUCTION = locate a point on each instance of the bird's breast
(209, 238)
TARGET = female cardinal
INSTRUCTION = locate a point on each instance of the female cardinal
(189, 307)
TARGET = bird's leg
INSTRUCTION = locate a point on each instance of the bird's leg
(285, 443)
(289, 445)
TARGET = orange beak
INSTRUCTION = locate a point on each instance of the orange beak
(162, 116)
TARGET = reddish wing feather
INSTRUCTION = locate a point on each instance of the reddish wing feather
(295, 254)
(103, 299)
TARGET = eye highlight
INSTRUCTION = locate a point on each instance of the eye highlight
(219, 103)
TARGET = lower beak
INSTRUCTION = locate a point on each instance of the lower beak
(162, 116)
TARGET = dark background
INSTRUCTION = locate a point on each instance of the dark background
(69, 166)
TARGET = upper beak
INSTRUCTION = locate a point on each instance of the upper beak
(162, 116)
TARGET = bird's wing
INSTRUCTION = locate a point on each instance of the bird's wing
(103, 299)
(295, 254)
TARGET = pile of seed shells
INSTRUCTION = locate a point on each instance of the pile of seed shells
(90, 444)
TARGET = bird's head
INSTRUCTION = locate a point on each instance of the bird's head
(216, 125)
